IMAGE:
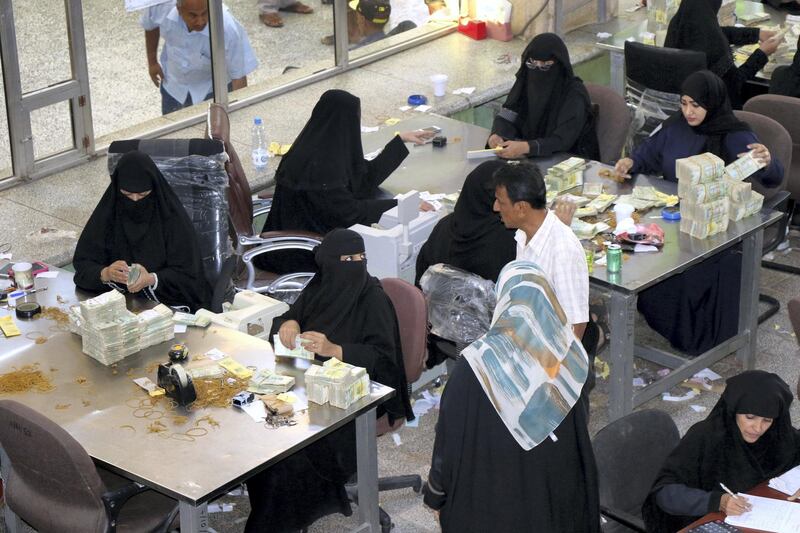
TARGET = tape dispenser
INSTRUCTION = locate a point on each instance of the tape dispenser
(178, 385)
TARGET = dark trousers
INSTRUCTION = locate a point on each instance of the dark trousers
(170, 104)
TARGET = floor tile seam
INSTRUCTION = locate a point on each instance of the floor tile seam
(37, 210)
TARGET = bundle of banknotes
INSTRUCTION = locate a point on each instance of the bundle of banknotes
(266, 381)
(750, 206)
(743, 167)
(110, 332)
(596, 206)
(337, 383)
(565, 175)
(700, 168)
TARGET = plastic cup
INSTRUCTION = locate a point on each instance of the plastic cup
(23, 275)
(439, 84)
(623, 211)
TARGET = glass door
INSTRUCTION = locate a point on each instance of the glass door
(46, 85)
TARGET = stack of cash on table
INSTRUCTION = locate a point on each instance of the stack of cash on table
(110, 332)
(565, 175)
(337, 383)
(268, 382)
(713, 194)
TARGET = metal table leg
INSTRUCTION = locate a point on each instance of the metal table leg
(748, 298)
(367, 464)
(194, 519)
(618, 71)
(622, 317)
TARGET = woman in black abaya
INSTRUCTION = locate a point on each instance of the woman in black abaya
(512, 451)
(324, 182)
(472, 237)
(139, 220)
(695, 27)
(548, 109)
(747, 438)
(786, 79)
(342, 313)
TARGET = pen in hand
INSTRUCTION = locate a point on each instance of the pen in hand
(740, 504)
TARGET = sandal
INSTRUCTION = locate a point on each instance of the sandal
(298, 7)
(273, 20)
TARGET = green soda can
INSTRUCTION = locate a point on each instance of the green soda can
(614, 258)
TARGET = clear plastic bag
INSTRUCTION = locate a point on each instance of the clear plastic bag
(201, 184)
(460, 304)
(651, 109)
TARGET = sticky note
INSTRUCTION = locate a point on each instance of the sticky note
(8, 326)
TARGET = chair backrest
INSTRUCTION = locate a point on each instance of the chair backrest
(658, 68)
(775, 137)
(412, 318)
(786, 111)
(240, 200)
(613, 121)
(630, 452)
(51, 482)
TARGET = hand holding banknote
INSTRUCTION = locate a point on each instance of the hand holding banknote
(760, 153)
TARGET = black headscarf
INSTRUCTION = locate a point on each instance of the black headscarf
(155, 232)
(471, 238)
(538, 95)
(786, 79)
(327, 154)
(338, 285)
(708, 90)
(695, 27)
(713, 451)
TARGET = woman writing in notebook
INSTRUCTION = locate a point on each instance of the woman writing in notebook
(747, 439)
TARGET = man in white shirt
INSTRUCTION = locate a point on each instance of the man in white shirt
(520, 198)
(184, 73)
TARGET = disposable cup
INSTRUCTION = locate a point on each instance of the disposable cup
(439, 84)
(623, 211)
(23, 275)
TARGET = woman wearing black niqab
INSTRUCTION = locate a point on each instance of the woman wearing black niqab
(343, 313)
(472, 237)
(786, 79)
(548, 109)
(139, 220)
(695, 27)
(722, 449)
(324, 182)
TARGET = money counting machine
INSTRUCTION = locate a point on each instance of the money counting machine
(250, 313)
(392, 245)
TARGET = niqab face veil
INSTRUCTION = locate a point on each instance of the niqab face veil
(338, 285)
(327, 154)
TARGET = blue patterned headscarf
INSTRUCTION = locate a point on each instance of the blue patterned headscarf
(529, 363)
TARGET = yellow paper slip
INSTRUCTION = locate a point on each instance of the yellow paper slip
(8, 326)
(235, 368)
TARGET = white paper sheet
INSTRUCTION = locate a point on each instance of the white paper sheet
(49, 274)
(768, 514)
(180, 328)
(788, 482)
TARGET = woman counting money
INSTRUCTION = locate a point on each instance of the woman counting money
(139, 239)
(699, 309)
(342, 313)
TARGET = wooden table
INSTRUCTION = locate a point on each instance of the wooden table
(760, 490)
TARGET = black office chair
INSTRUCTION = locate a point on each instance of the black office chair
(653, 77)
(775, 137)
(195, 169)
(630, 452)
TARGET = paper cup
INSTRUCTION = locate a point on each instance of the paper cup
(23, 275)
(439, 84)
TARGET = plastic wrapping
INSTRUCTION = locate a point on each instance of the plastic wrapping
(652, 108)
(460, 304)
(201, 184)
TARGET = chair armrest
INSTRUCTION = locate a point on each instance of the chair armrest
(776, 200)
(272, 241)
(113, 501)
(261, 206)
(621, 517)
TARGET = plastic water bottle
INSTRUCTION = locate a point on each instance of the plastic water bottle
(259, 144)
